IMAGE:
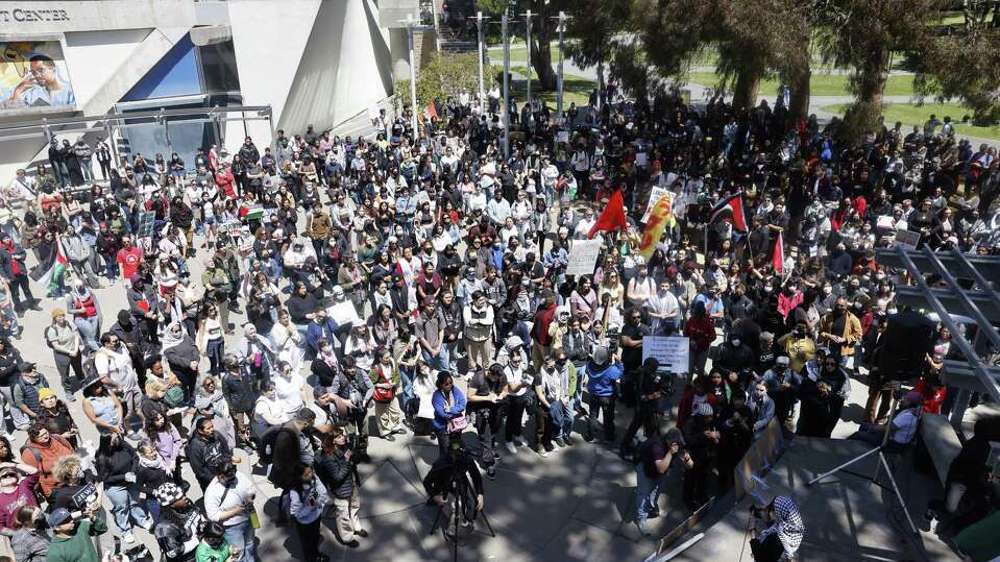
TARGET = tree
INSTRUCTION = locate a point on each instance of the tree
(964, 62)
(543, 27)
(444, 75)
(862, 34)
(598, 29)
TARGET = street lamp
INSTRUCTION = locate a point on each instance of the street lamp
(411, 26)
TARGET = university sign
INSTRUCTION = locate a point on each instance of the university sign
(19, 15)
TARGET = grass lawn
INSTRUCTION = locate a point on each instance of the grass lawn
(912, 114)
(576, 89)
(821, 84)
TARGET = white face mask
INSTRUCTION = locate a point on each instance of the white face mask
(736, 343)
(827, 290)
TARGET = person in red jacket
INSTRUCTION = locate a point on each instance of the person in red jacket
(929, 386)
(226, 182)
(694, 394)
(700, 330)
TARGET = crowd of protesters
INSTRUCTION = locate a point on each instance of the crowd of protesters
(280, 296)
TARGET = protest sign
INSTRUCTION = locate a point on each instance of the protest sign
(147, 220)
(907, 239)
(654, 196)
(583, 257)
(671, 352)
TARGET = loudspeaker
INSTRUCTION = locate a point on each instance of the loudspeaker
(908, 339)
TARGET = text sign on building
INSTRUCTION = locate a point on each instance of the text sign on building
(21, 15)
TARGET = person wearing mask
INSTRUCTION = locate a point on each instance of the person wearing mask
(783, 387)
(215, 546)
(760, 406)
(702, 438)
(455, 473)
(841, 330)
(117, 464)
(700, 330)
(229, 501)
(603, 373)
(179, 524)
(114, 369)
(337, 470)
(649, 385)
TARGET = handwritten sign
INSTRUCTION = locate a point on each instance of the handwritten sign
(654, 195)
(583, 257)
(147, 220)
(672, 352)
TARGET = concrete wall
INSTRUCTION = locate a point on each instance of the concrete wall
(334, 62)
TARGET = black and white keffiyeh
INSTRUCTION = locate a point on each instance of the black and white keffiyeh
(787, 525)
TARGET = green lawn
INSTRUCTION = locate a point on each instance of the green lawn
(576, 89)
(912, 114)
(821, 84)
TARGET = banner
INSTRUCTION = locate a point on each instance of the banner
(583, 257)
(672, 352)
(33, 78)
(659, 216)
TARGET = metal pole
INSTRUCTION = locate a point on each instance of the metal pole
(506, 87)
(437, 30)
(527, 38)
(413, 77)
(482, 53)
(559, 98)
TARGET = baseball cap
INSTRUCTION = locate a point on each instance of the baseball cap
(59, 516)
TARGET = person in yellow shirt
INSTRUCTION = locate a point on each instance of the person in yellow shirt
(799, 346)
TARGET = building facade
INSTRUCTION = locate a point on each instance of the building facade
(320, 62)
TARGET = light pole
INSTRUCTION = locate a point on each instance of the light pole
(559, 98)
(527, 42)
(411, 26)
(506, 86)
(482, 53)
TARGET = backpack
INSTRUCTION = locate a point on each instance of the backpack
(266, 446)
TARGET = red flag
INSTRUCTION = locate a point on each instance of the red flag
(732, 205)
(778, 256)
(431, 111)
(612, 217)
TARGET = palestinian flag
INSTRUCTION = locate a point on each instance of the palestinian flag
(778, 256)
(49, 274)
(732, 206)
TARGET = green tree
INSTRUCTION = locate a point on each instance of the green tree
(963, 61)
(862, 35)
(544, 27)
(445, 74)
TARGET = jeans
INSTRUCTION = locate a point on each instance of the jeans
(606, 404)
(562, 419)
(515, 410)
(215, 349)
(406, 392)
(647, 494)
(439, 362)
(241, 536)
(63, 364)
(88, 330)
(20, 283)
(126, 507)
(87, 171)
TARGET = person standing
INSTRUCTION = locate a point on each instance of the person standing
(180, 520)
(306, 503)
(12, 268)
(26, 397)
(229, 501)
(64, 340)
(117, 463)
(103, 154)
(339, 474)
(84, 154)
(479, 319)
(655, 456)
(603, 373)
(83, 305)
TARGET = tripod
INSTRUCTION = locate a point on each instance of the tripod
(883, 463)
(456, 511)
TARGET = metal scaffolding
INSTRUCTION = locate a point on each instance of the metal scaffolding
(967, 291)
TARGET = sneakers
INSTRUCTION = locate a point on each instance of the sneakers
(361, 533)
(542, 452)
(560, 441)
(519, 442)
(128, 537)
(491, 473)
(510, 448)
